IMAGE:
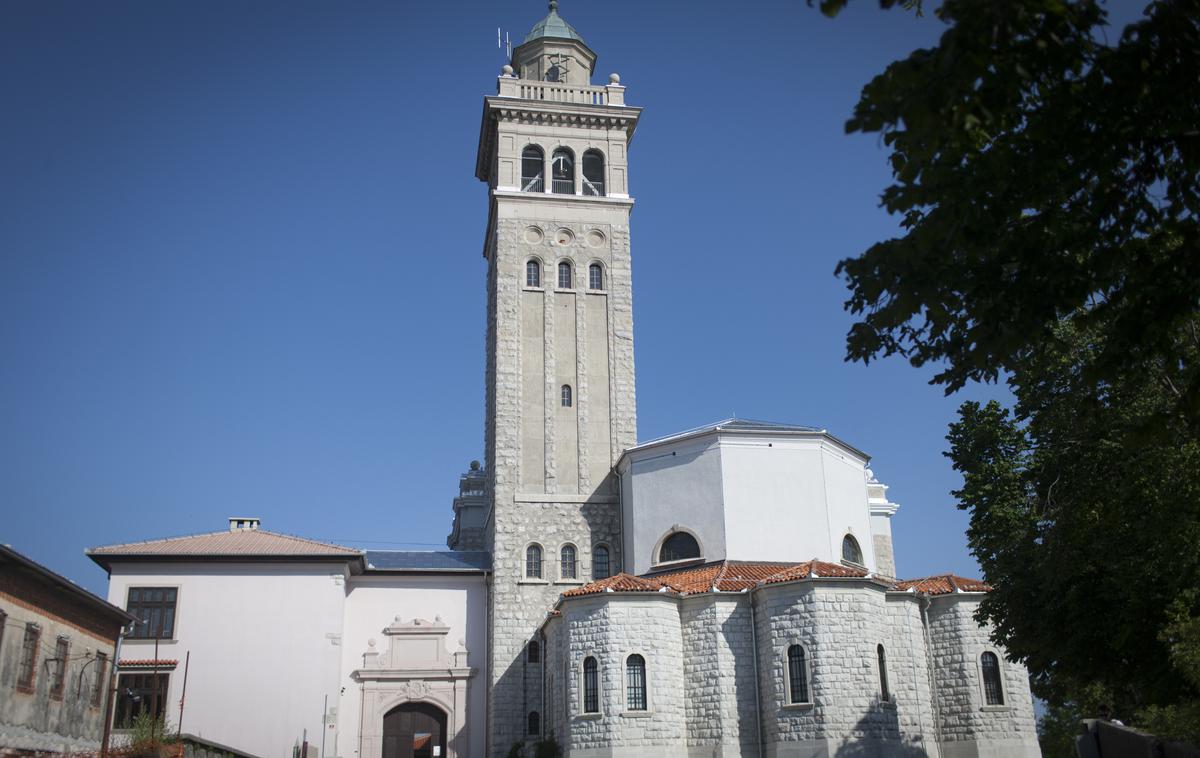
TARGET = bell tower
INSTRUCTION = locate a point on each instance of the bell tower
(560, 378)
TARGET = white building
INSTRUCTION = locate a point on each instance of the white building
(724, 591)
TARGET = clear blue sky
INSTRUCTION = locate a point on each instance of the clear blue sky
(240, 266)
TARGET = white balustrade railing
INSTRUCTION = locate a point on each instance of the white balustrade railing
(510, 86)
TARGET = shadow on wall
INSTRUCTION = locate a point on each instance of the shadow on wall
(877, 734)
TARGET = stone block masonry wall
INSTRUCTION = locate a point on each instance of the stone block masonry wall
(611, 628)
(840, 624)
(718, 671)
(968, 726)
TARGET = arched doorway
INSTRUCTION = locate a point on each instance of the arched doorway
(414, 730)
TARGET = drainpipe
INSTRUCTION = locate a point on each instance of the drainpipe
(754, 643)
(112, 689)
(937, 712)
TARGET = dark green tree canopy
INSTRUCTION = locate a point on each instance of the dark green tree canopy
(1045, 167)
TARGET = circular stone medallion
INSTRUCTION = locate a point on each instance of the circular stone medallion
(533, 235)
(595, 238)
(564, 236)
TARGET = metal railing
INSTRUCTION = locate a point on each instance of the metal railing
(531, 184)
(593, 188)
(564, 186)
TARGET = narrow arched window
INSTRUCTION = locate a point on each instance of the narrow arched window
(564, 276)
(993, 691)
(635, 683)
(535, 724)
(884, 693)
(567, 564)
(534, 652)
(533, 165)
(680, 546)
(797, 675)
(851, 553)
(591, 685)
(565, 396)
(533, 562)
(562, 171)
(593, 173)
(600, 563)
(533, 274)
(595, 277)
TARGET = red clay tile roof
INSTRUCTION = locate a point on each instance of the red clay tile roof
(734, 576)
(942, 585)
(243, 542)
(147, 663)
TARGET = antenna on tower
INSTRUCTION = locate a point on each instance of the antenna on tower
(503, 43)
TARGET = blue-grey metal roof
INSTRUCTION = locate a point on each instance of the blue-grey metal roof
(553, 25)
(734, 424)
(429, 560)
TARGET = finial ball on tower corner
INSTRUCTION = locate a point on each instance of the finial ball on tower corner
(614, 78)
(506, 70)
(554, 6)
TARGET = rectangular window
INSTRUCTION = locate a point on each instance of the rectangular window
(140, 693)
(58, 682)
(101, 665)
(29, 655)
(591, 686)
(155, 610)
(797, 675)
(635, 686)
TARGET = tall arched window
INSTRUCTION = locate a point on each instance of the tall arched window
(533, 562)
(884, 693)
(533, 274)
(680, 546)
(993, 690)
(593, 173)
(635, 683)
(535, 724)
(595, 277)
(533, 166)
(534, 652)
(600, 563)
(568, 567)
(591, 685)
(797, 675)
(565, 396)
(850, 550)
(562, 171)
(564, 276)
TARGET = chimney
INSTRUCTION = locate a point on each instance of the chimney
(243, 523)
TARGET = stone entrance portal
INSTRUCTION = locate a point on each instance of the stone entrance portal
(414, 694)
(414, 730)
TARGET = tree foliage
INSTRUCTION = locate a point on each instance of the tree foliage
(1042, 170)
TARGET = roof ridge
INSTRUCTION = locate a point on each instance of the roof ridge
(131, 546)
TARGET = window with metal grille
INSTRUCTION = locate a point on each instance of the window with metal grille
(533, 562)
(155, 609)
(535, 724)
(101, 665)
(533, 274)
(534, 652)
(635, 683)
(993, 691)
(565, 396)
(564, 276)
(58, 681)
(850, 550)
(797, 675)
(595, 277)
(567, 564)
(593, 173)
(600, 562)
(137, 694)
(533, 165)
(678, 547)
(884, 693)
(591, 685)
(27, 668)
(562, 171)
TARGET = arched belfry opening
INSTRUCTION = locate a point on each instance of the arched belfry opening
(414, 730)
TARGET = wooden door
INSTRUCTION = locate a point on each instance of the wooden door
(414, 730)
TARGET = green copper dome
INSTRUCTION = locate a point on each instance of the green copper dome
(553, 25)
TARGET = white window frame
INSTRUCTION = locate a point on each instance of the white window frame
(558, 285)
(787, 676)
(541, 285)
(525, 577)
(561, 576)
(656, 563)
(592, 567)
(603, 277)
